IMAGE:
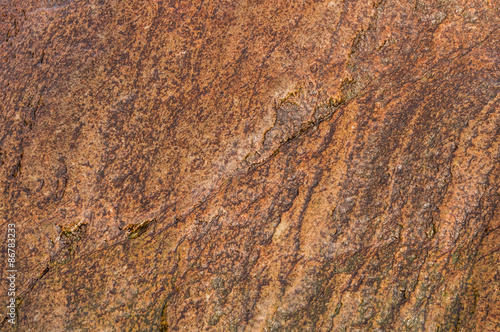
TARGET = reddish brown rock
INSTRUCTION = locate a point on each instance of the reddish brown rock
(252, 166)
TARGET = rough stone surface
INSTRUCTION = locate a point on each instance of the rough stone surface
(252, 165)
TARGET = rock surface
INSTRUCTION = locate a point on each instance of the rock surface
(252, 165)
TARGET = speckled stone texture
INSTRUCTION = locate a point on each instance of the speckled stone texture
(252, 165)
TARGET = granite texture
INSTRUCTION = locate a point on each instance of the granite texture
(251, 165)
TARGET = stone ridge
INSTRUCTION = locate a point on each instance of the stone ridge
(252, 166)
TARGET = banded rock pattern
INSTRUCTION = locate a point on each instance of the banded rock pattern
(251, 165)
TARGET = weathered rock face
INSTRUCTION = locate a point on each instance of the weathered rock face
(252, 166)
